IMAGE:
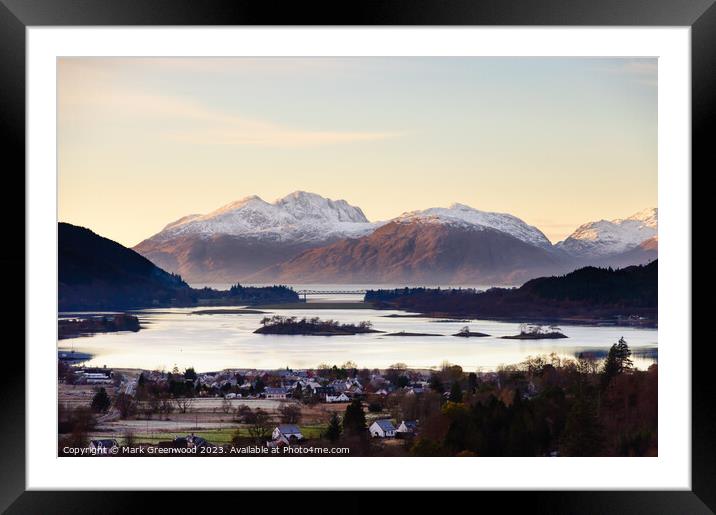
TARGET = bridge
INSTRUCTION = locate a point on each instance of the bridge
(304, 293)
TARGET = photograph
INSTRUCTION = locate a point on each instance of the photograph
(437, 256)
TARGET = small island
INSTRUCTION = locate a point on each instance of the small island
(74, 327)
(466, 333)
(537, 332)
(311, 326)
(405, 333)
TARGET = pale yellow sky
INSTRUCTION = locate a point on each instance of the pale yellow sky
(554, 141)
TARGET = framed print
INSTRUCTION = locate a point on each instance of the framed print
(451, 243)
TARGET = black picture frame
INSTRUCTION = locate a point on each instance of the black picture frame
(17, 15)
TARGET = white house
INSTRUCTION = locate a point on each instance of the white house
(287, 433)
(276, 393)
(337, 398)
(407, 427)
(96, 378)
(382, 429)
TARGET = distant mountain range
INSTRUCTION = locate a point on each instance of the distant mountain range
(306, 238)
(604, 238)
(414, 251)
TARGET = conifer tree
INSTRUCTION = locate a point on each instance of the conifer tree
(354, 419)
(100, 401)
(617, 361)
(333, 432)
(455, 392)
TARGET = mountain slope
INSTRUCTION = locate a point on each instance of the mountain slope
(600, 240)
(466, 216)
(300, 216)
(414, 249)
(243, 237)
(304, 237)
(98, 273)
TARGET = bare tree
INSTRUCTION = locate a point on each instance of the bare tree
(125, 404)
(184, 404)
(243, 413)
(290, 413)
(154, 404)
(226, 405)
(146, 409)
(259, 427)
(166, 405)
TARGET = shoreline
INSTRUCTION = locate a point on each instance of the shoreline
(440, 317)
(596, 322)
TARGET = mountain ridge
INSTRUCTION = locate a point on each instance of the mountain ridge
(604, 237)
(249, 238)
(419, 251)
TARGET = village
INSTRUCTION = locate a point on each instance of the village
(533, 408)
(274, 408)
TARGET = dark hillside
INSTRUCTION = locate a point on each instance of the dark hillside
(98, 273)
(589, 293)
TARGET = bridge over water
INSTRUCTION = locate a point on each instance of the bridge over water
(305, 293)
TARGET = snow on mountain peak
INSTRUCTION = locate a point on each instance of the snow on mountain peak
(649, 216)
(251, 202)
(461, 214)
(299, 216)
(310, 206)
(182, 220)
(606, 237)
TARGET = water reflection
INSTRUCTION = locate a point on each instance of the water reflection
(213, 342)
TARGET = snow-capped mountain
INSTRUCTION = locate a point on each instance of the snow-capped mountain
(453, 245)
(304, 237)
(300, 216)
(466, 216)
(610, 237)
(245, 236)
(420, 250)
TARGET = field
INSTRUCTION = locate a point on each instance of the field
(74, 396)
(210, 418)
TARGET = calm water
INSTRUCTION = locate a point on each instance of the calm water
(213, 342)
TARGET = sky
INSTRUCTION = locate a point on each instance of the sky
(557, 142)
